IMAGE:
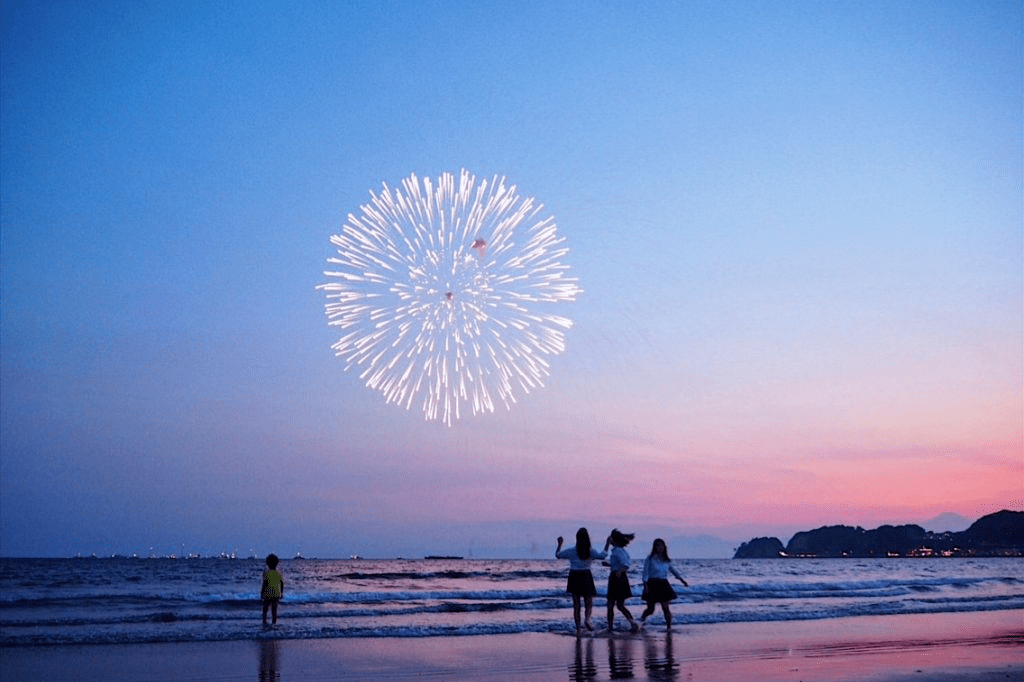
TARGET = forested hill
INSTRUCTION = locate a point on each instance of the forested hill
(999, 534)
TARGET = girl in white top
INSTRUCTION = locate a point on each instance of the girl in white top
(581, 580)
(657, 589)
(618, 581)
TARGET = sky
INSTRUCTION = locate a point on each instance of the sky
(797, 227)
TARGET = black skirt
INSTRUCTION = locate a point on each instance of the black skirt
(618, 587)
(581, 584)
(658, 590)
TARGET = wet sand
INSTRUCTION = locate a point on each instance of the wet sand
(979, 647)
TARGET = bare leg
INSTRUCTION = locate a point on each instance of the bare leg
(273, 611)
(611, 616)
(576, 610)
(588, 601)
(266, 605)
(668, 614)
(648, 611)
(629, 616)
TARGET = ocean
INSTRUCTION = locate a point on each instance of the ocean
(130, 600)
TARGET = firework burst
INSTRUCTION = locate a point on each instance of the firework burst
(444, 294)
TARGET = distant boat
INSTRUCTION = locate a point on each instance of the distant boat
(436, 557)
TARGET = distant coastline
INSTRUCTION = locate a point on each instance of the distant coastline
(997, 535)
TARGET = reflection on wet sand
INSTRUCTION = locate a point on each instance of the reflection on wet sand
(660, 666)
(269, 671)
(659, 660)
(583, 667)
(620, 658)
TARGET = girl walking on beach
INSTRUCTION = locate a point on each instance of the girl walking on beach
(657, 589)
(618, 581)
(581, 580)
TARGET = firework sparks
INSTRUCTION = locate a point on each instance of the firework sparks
(443, 294)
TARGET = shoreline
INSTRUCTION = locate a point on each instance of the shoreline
(981, 646)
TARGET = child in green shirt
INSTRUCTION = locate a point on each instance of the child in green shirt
(272, 588)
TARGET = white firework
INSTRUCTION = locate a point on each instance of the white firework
(443, 294)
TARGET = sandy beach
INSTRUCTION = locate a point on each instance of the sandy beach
(970, 646)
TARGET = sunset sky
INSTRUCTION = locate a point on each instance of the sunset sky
(797, 227)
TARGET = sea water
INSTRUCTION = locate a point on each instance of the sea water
(120, 600)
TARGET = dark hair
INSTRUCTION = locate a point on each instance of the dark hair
(583, 543)
(654, 551)
(272, 561)
(620, 539)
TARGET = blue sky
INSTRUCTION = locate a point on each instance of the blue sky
(797, 227)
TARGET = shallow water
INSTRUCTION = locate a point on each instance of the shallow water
(78, 601)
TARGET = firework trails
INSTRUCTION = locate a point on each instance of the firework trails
(444, 294)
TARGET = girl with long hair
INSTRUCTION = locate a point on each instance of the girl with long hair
(581, 580)
(657, 589)
(618, 581)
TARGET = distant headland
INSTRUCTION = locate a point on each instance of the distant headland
(996, 535)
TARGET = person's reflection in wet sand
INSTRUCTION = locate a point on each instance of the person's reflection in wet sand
(620, 658)
(583, 667)
(268, 668)
(660, 667)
